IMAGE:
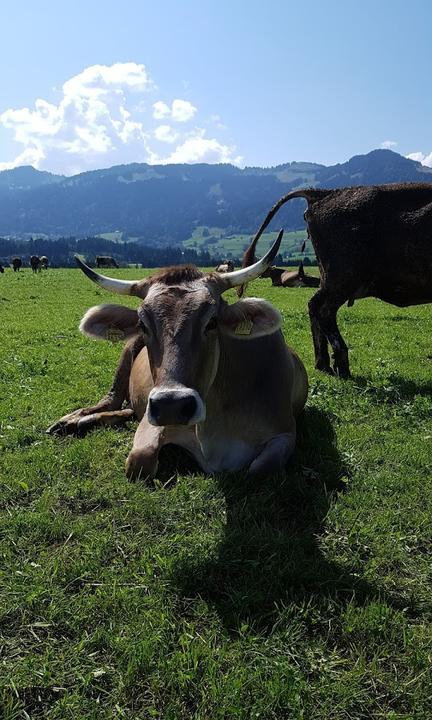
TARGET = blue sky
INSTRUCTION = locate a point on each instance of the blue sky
(92, 84)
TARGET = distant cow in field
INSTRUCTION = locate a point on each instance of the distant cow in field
(35, 263)
(281, 277)
(226, 266)
(1, 268)
(16, 264)
(44, 262)
(370, 241)
(105, 261)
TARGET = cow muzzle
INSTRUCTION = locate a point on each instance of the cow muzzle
(175, 406)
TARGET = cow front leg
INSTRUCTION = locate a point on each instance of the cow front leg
(102, 419)
(274, 456)
(323, 309)
(77, 422)
(143, 459)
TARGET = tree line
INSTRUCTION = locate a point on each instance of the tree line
(61, 252)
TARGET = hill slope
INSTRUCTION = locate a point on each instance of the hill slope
(164, 204)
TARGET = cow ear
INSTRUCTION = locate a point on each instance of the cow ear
(249, 319)
(110, 322)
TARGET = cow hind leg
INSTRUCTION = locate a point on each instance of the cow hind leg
(322, 357)
(323, 309)
(274, 456)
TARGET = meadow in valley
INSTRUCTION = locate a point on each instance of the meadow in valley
(305, 596)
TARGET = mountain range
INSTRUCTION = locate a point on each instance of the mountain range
(163, 204)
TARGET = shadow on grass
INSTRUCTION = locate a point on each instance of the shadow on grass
(395, 389)
(270, 553)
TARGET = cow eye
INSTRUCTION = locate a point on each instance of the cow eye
(212, 324)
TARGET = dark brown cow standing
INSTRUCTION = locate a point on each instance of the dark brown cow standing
(370, 241)
(16, 264)
(105, 261)
(35, 263)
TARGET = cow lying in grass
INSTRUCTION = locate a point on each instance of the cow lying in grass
(226, 266)
(215, 379)
(281, 277)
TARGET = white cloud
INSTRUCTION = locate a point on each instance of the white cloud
(101, 119)
(197, 148)
(180, 110)
(217, 122)
(160, 110)
(418, 156)
(29, 156)
(165, 133)
(422, 158)
(388, 144)
(98, 80)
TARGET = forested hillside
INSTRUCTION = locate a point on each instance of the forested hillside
(163, 204)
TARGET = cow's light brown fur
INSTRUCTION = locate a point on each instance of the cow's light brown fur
(252, 385)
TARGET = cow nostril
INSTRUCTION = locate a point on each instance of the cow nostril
(188, 408)
(153, 409)
(168, 408)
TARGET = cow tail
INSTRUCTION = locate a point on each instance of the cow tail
(309, 194)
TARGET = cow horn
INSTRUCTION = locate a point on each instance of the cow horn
(123, 287)
(244, 275)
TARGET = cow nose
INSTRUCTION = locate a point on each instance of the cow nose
(173, 407)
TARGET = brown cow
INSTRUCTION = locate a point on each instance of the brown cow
(105, 261)
(16, 264)
(370, 241)
(215, 379)
(226, 266)
(281, 277)
(35, 263)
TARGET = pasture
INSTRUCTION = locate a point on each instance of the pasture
(307, 596)
(219, 243)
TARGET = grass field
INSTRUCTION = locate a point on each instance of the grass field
(222, 244)
(307, 596)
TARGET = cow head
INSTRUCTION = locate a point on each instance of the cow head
(182, 319)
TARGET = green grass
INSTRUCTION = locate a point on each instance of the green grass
(307, 596)
(223, 244)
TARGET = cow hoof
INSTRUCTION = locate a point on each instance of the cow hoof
(342, 373)
(324, 368)
(76, 423)
(141, 466)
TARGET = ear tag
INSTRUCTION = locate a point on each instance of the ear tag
(244, 327)
(114, 334)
